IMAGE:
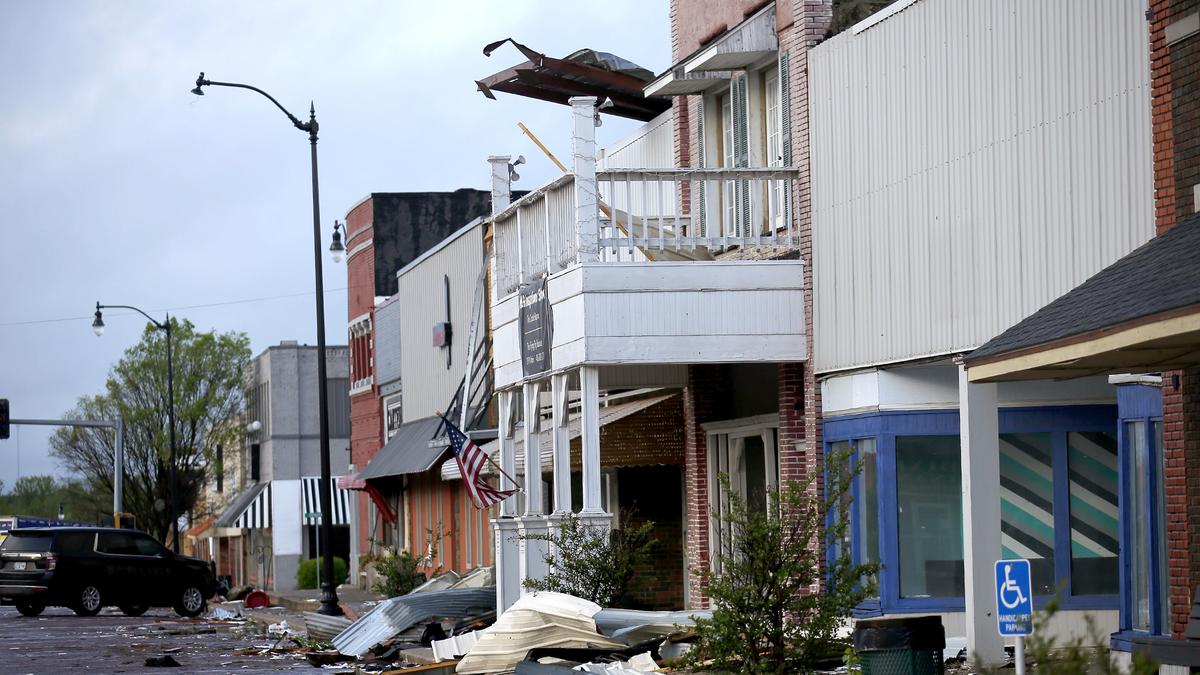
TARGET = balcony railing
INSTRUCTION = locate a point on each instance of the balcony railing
(645, 215)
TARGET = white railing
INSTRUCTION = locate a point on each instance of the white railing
(645, 215)
(695, 209)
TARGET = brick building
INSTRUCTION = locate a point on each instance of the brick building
(384, 232)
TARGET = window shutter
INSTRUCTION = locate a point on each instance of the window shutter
(698, 219)
(785, 131)
(741, 151)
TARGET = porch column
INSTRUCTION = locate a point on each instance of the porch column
(980, 434)
(589, 384)
(533, 454)
(506, 546)
(583, 155)
(501, 182)
(559, 388)
(534, 522)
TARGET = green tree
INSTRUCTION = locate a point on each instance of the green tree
(41, 496)
(778, 600)
(208, 375)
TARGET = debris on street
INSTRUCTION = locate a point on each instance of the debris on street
(414, 618)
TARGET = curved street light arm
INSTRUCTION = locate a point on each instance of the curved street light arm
(157, 324)
(302, 126)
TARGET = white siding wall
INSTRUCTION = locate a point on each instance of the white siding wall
(972, 161)
(428, 385)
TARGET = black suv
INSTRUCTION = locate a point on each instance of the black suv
(86, 568)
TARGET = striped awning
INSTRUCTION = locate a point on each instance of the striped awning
(310, 489)
(251, 509)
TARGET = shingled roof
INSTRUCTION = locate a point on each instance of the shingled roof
(1160, 276)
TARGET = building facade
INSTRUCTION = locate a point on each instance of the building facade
(384, 232)
(272, 525)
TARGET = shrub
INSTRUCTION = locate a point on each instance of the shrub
(591, 562)
(767, 615)
(397, 573)
(306, 574)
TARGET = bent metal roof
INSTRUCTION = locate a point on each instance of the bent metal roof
(584, 73)
(1139, 314)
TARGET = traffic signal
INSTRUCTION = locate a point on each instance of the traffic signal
(3, 418)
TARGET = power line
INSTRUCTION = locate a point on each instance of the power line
(243, 301)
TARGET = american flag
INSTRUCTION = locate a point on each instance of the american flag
(470, 462)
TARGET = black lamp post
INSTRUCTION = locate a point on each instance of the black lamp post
(329, 599)
(98, 329)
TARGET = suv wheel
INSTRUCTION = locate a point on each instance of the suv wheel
(191, 601)
(133, 610)
(30, 608)
(88, 601)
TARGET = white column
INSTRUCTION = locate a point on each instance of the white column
(533, 454)
(979, 429)
(589, 383)
(508, 450)
(583, 156)
(501, 183)
(559, 394)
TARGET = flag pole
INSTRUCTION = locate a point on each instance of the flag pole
(485, 455)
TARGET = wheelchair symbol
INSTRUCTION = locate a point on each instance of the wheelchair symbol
(1011, 589)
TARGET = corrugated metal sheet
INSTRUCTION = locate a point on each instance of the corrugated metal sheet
(971, 162)
(396, 615)
(429, 384)
(387, 341)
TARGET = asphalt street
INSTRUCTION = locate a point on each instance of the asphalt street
(60, 642)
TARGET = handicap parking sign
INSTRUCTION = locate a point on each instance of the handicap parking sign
(1014, 597)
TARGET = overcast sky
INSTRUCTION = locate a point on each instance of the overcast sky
(118, 185)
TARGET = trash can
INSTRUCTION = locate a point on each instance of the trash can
(901, 646)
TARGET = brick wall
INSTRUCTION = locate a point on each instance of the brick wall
(654, 493)
(1175, 116)
(366, 416)
(702, 401)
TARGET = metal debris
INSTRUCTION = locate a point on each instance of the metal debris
(396, 615)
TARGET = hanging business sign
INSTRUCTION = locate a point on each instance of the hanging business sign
(536, 325)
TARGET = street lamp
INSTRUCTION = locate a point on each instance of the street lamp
(329, 599)
(98, 329)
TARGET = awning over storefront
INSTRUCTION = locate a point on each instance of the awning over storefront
(310, 489)
(614, 412)
(249, 510)
(409, 451)
(1140, 314)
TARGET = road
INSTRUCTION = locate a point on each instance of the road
(60, 642)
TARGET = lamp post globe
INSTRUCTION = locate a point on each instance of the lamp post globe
(98, 324)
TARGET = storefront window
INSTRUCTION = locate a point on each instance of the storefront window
(866, 501)
(1027, 504)
(929, 521)
(1092, 471)
(1139, 570)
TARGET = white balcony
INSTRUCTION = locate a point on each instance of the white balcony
(648, 286)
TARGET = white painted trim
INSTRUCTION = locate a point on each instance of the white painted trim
(741, 424)
(1154, 380)
(360, 248)
(358, 204)
(877, 17)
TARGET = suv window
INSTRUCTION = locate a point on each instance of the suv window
(147, 546)
(75, 542)
(16, 542)
(118, 543)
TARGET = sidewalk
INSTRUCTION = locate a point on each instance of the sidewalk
(352, 600)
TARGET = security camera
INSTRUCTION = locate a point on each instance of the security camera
(606, 103)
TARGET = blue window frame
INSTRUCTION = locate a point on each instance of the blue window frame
(1144, 606)
(909, 445)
